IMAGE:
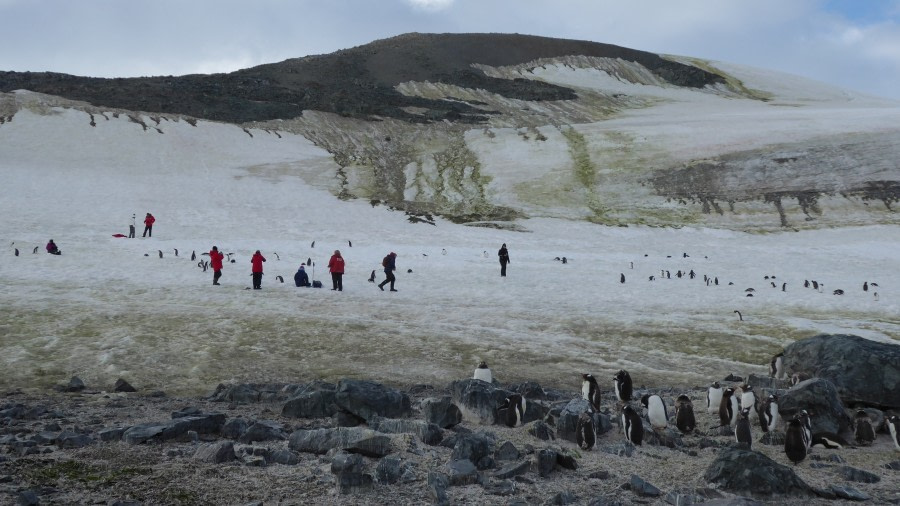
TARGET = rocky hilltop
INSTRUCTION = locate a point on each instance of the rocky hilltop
(496, 127)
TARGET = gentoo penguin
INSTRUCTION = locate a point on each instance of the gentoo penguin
(17, 251)
(713, 398)
(632, 425)
(622, 384)
(728, 408)
(776, 366)
(349, 244)
(684, 414)
(372, 277)
(805, 283)
(585, 433)
(794, 441)
(515, 410)
(308, 260)
(193, 255)
(656, 411)
(865, 286)
(483, 373)
(893, 423)
(863, 433)
(621, 278)
(815, 285)
(176, 251)
(160, 253)
(276, 256)
(312, 245)
(590, 390)
(806, 423)
(742, 429)
(768, 414)
(838, 292)
(34, 251)
(280, 279)
(740, 316)
(828, 440)
(748, 400)
(799, 377)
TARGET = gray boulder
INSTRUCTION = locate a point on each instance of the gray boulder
(313, 404)
(568, 418)
(820, 398)
(462, 472)
(367, 399)
(123, 386)
(215, 453)
(353, 439)
(210, 423)
(263, 430)
(428, 433)
(394, 468)
(350, 475)
(478, 400)
(748, 472)
(475, 447)
(863, 371)
(441, 412)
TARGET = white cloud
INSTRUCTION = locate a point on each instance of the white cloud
(431, 5)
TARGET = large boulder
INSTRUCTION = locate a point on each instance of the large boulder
(367, 399)
(318, 401)
(441, 412)
(742, 471)
(820, 398)
(352, 439)
(863, 371)
(428, 433)
(478, 400)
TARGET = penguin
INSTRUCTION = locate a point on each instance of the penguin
(863, 433)
(865, 286)
(34, 251)
(750, 290)
(176, 251)
(815, 285)
(276, 256)
(893, 423)
(622, 384)
(728, 408)
(740, 316)
(280, 279)
(585, 432)
(742, 429)
(768, 414)
(713, 398)
(483, 372)
(773, 284)
(765, 277)
(632, 265)
(684, 414)
(799, 377)
(312, 245)
(308, 261)
(692, 274)
(443, 251)
(805, 421)
(784, 287)
(749, 401)
(805, 283)
(685, 255)
(515, 410)
(17, 251)
(656, 411)
(632, 425)
(565, 260)
(160, 253)
(828, 440)
(668, 275)
(776, 366)
(716, 281)
(621, 278)
(205, 265)
(193, 255)
(590, 390)
(794, 442)
(652, 278)
(349, 243)
(372, 277)
(838, 292)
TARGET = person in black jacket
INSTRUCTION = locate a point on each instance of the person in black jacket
(504, 259)
(389, 267)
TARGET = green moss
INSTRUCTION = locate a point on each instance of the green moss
(733, 82)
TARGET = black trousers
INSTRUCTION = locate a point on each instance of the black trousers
(257, 280)
(503, 268)
(148, 231)
(390, 279)
(216, 275)
(337, 282)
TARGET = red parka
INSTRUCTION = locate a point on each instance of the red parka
(336, 264)
(149, 220)
(215, 260)
(257, 262)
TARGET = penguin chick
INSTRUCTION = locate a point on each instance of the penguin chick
(863, 432)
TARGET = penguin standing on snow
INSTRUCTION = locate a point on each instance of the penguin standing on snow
(656, 411)
(863, 432)
(893, 423)
(768, 414)
(590, 390)
(483, 373)
(728, 408)
(742, 429)
(515, 410)
(372, 277)
(585, 433)
(713, 398)
(632, 425)
(794, 442)
(622, 384)
(684, 414)
(776, 366)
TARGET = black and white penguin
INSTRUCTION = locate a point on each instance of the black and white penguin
(280, 279)
(585, 432)
(749, 401)
(372, 277)
(776, 366)
(863, 432)
(17, 251)
(865, 286)
(713, 398)
(742, 429)
(828, 440)
(349, 244)
(893, 423)
(160, 253)
(684, 414)
(176, 251)
(692, 274)
(805, 283)
(308, 261)
(621, 278)
(768, 414)
(276, 256)
(483, 372)
(632, 425)
(838, 292)
(784, 287)
(312, 245)
(193, 255)
(590, 390)
(34, 251)
(657, 414)
(815, 285)
(799, 377)
(515, 410)
(728, 409)
(622, 385)
(740, 316)
(806, 423)
(794, 441)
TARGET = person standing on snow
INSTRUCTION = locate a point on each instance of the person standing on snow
(131, 227)
(149, 220)
(257, 269)
(504, 259)
(215, 261)
(390, 265)
(336, 268)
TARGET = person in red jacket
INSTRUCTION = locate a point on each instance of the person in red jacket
(257, 269)
(215, 261)
(336, 268)
(149, 220)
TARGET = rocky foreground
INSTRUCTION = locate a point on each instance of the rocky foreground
(361, 442)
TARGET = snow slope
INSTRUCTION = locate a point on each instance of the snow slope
(110, 307)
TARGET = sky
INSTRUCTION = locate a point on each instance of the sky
(853, 44)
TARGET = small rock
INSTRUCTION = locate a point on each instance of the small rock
(541, 431)
(849, 493)
(642, 488)
(441, 412)
(501, 488)
(215, 453)
(857, 475)
(599, 475)
(438, 484)
(507, 451)
(28, 498)
(513, 470)
(563, 498)
(546, 462)
(462, 472)
(123, 386)
(75, 385)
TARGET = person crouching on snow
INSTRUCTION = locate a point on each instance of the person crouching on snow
(52, 249)
(300, 278)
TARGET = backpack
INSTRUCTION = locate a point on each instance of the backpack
(384, 263)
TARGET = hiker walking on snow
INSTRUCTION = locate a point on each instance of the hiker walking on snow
(148, 225)
(257, 269)
(336, 268)
(389, 265)
(215, 261)
(504, 259)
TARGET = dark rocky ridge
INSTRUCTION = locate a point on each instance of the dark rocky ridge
(357, 82)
